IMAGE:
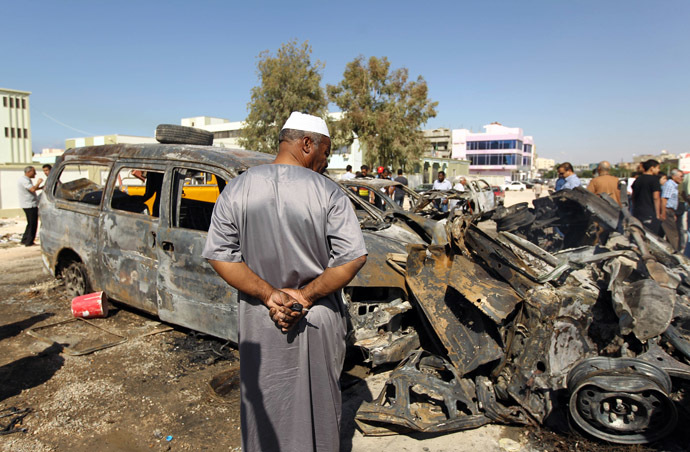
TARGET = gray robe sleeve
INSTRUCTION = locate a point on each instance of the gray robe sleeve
(344, 235)
(223, 241)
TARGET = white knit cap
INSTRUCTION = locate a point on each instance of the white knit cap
(306, 123)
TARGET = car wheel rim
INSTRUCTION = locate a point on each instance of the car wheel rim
(622, 401)
(74, 281)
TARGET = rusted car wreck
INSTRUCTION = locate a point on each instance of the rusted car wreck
(569, 307)
(595, 324)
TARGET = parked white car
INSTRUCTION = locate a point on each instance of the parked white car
(514, 185)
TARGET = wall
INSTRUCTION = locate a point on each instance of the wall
(9, 194)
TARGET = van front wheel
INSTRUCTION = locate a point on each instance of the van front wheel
(76, 279)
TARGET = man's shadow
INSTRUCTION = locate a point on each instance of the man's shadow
(30, 371)
(13, 329)
(354, 392)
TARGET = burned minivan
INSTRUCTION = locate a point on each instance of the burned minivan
(132, 219)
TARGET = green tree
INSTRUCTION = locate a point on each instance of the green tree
(289, 81)
(383, 109)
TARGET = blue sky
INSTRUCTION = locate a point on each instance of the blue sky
(588, 79)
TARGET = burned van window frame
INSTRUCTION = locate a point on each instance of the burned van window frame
(81, 183)
(148, 202)
(189, 213)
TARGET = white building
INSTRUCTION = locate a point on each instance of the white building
(499, 151)
(346, 155)
(226, 133)
(107, 139)
(544, 164)
(15, 127)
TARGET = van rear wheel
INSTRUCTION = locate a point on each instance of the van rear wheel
(76, 279)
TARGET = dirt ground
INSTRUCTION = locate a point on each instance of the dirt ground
(153, 392)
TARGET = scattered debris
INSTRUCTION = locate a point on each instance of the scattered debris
(225, 383)
(17, 418)
(204, 349)
(77, 336)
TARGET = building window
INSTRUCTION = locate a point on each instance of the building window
(494, 159)
(24, 105)
(4, 101)
(7, 131)
(494, 144)
(12, 130)
(26, 134)
(227, 134)
(19, 132)
(11, 102)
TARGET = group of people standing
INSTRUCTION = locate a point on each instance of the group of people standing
(660, 207)
(382, 173)
(656, 199)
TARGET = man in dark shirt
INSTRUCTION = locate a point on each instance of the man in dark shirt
(399, 195)
(647, 196)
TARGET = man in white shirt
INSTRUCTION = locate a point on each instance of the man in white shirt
(460, 186)
(28, 200)
(347, 175)
(442, 184)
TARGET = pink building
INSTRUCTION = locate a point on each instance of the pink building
(500, 151)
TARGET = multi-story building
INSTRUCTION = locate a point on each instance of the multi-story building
(15, 127)
(499, 151)
(438, 143)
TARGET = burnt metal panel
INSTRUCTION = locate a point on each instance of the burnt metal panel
(547, 339)
(376, 271)
(502, 260)
(495, 298)
(389, 347)
(460, 327)
(604, 211)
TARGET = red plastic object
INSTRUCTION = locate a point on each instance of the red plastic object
(90, 306)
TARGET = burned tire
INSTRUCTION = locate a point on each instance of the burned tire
(622, 400)
(174, 134)
(76, 279)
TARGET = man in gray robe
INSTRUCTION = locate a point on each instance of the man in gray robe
(287, 237)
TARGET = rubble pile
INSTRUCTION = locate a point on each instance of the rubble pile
(570, 307)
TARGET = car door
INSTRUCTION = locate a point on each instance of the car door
(190, 292)
(128, 233)
(487, 195)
